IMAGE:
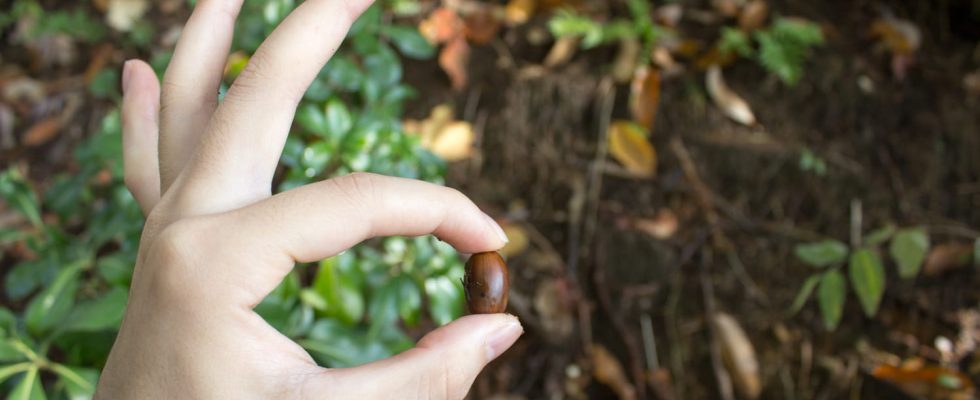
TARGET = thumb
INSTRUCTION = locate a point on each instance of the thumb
(443, 365)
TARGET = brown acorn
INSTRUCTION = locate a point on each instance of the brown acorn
(486, 283)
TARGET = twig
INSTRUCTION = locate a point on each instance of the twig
(856, 223)
(707, 290)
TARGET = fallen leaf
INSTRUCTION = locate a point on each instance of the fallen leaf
(441, 26)
(98, 62)
(645, 96)
(450, 139)
(669, 15)
(23, 89)
(662, 58)
(728, 8)
(453, 59)
(561, 52)
(753, 15)
(661, 226)
(42, 132)
(947, 257)
(715, 56)
(481, 27)
(629, 145)
(625, 63)
(607, 370)
(101, 5)
(898, 35)
(922, 380)
(518, 239)
(123, 14)
(728, 101)
(738, 355)
(518, 12)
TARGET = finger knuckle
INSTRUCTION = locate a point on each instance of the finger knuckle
(359, 187)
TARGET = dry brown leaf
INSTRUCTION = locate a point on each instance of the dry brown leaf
(738, 355)
(101, 5)
(947, 257)
(753, 15)
(482, 26)
(518, 239)
(714, 56)
(625, 63)
(661, 226)
(42, 132)
(561, 52)
(607, 370)
(645, 96)
(518, 12)
(730, 103)
(728, 8)
(99, 60)
(123, 14)
(669, 15)
(453, 59)
(925, 381)
(629, 145)
(441, 26)
(899, 35)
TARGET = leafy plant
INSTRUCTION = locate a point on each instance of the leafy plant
(568, 23)
(865, 270)
(75, 249)
(782, 47)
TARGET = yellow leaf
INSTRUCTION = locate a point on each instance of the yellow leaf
(629, 145)
(236, 63)
(645, 96)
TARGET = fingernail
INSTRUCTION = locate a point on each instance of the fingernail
(125, 75)
(501, 339)
(496, 228)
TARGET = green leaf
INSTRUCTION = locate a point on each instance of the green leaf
(868, 278)
(338, 118)
(311, 118)
(409, 300)
(383, 66)
(785, 45)
(409, 41)
(821, 254)
(105, 84)
(10, 370)
(830, 297)
(804, 293)
(909, 248)
(116, 269)
(29, 387)
(344, 298)
(18, 193)
(54, 303)
(79, 382)
(8, 322)
(383, 310)
(105, 312)
(445, 299)
(343, 73)
(879, 236)
(9, 352)
(735, 41)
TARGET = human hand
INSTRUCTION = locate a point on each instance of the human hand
(216, 242)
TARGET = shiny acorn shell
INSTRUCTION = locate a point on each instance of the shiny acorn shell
(486, 283)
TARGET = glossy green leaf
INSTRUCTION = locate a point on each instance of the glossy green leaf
(879, 236)
(344, 74)
(409, 41)
(445, 299)
(314, 299)
(8, 322)
(909, 248)
(409, 300)
(383, 309)
(117, 269)
(821, 254)
(53, 304)
(79, 383)
(19, 195)
(383, 66)
(830, 297)
(311, 118)
(29, 387)
(868, 279)
(338, 118)
(808, 285)
(344, 298)
(105, 312)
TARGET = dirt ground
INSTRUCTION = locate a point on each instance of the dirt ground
(902, 152)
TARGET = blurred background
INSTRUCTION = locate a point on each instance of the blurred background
(713, 199)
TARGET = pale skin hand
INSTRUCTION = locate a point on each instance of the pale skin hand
(216, 241)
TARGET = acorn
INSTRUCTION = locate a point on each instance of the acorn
(486, 283)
